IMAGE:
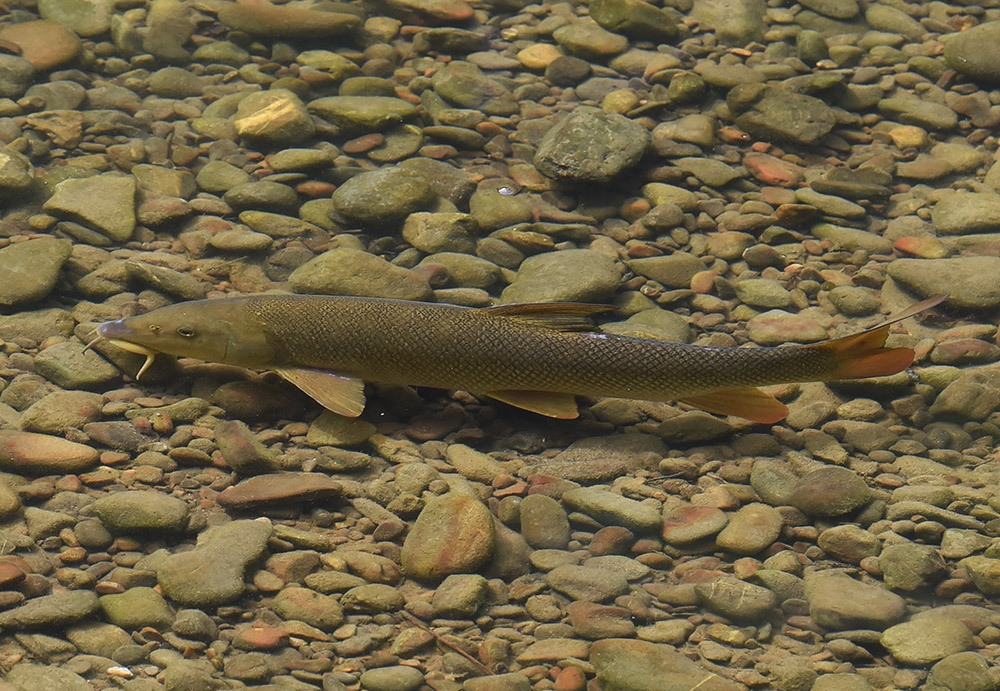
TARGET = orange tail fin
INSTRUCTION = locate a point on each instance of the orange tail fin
(865, 355)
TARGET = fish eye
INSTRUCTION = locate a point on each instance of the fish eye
(185, 331)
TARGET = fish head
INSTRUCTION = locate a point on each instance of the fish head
(212, 330)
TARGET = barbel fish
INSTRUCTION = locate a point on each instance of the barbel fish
(533, 356)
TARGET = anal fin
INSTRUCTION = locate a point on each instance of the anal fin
(747, 402)
(548, 403)
(335, 392)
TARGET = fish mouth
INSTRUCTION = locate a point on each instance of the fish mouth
(113, 333)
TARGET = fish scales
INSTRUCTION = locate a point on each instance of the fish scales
(454, 347)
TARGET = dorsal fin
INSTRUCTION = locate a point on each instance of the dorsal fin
(561, 316)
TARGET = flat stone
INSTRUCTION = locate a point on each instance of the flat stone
(587, 583)
(966, 280)
(750, 530)
(41, 454)
(465, 85)
(347, 271)
(301, 604)
(280, 488)
(51, 611)
(613, 509)
(105, 203)
(631, 665)
(138, 511)
(971, 212)
(137, 608)
(830, 491)
(213, 573)
(736, 599)
(686, 524)
(970, 52)
(24, 675)
(838, 602)
(29, 270)
(287, 22)
(576, 275)
(923, 643)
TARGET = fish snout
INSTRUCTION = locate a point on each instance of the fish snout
(113, 329)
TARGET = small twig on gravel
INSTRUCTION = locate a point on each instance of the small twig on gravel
(420, 625)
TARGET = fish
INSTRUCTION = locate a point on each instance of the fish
(537, 357)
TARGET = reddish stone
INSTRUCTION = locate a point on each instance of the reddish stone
(363, 144)
(11, 573)
(570, 679)
(703, 282)
(280, 488)
(923, 246)
(46, 45)
(611, 540)
(773, 171)
(317, 189)
(259, 637)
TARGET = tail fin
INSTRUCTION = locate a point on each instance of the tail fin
(865, 355)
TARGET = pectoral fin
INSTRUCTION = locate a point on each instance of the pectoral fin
(748, 402)
(557, 405)
(337, 393)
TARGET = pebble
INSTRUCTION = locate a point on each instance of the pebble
(466, 86)
(86, 18)
(46, 45)
(613, 509)
(544, 523)
(62, 410)
(51, 611)
(627, 664)
(673, 271)
(969, 669)
(750, 530)
(788, 117)
(838, 602)
(272, 489)
(242, 450)
(967, 52)
(447, 521)
(911, 567)
(684, 524)
(141, 511)
(849, 543)
(392, 678)
(567, 276)
(286, 21)
(315, 609)
(29, 270)
(24, 675)
(590, 145)
(348, 271)
(137, 608)
(41, 454)
(212, 574)
(587, 583)
(105, 203)
(923, 643)
(735, 599)
(460, 596)
(830, 491)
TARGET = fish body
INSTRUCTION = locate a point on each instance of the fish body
(534, 356)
